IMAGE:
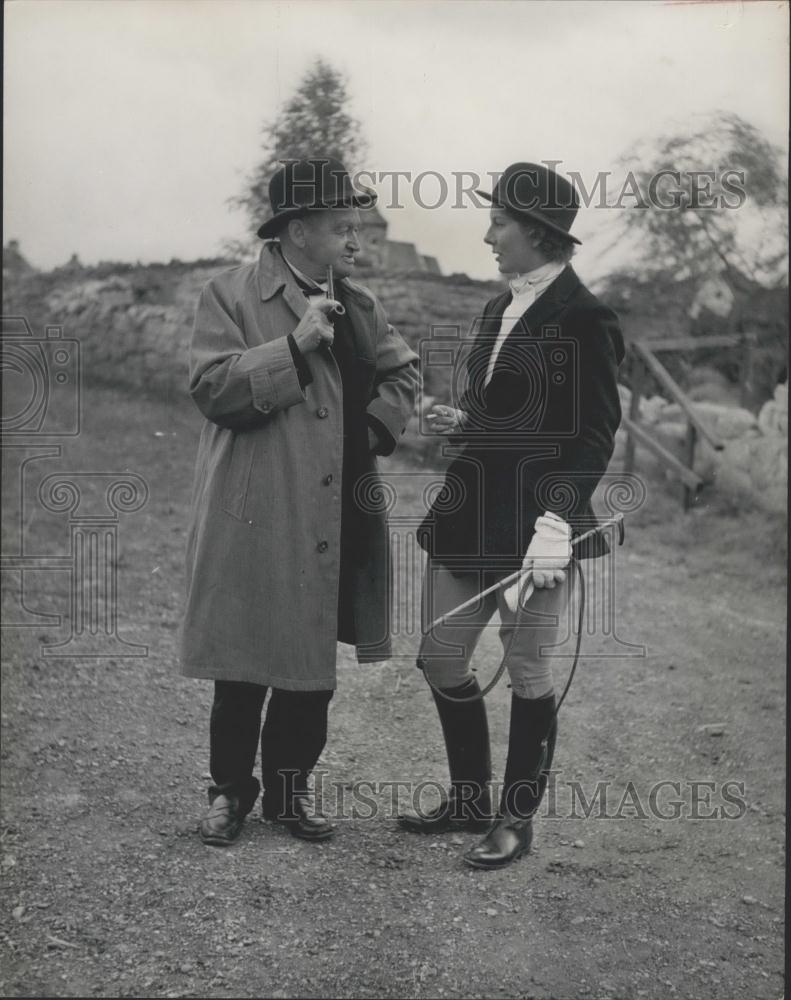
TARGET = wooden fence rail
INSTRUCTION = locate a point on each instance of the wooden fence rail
(643, 361)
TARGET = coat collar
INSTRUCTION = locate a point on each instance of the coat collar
(274, 274)
(552, 301)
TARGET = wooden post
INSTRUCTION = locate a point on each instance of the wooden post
(646, 440)
(636, 371)
(688, 494)
(667, 382)
(746, 379)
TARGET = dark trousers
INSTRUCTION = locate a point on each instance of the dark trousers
(292, 738)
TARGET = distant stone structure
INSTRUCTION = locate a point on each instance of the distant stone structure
(14, 263)
(374, 239)
(73, 267)
(381, 254)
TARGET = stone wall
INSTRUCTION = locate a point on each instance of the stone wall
(134, 324)
(126, 340)
(752, 468)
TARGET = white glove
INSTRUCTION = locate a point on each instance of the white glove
(547, 556)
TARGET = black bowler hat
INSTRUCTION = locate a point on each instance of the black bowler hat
(536, 192)
(304, 184)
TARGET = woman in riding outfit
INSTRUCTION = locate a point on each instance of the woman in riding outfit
(532, 436)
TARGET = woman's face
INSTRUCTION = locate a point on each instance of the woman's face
(511, 245)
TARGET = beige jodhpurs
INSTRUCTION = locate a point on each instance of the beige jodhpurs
(446, 652)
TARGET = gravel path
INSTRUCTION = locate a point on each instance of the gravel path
(107, 890)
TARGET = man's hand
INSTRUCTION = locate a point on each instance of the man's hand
(446, 419)
(314, 328)
(547, 556)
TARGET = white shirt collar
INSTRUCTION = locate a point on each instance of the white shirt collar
(304, 277)
(537, 279)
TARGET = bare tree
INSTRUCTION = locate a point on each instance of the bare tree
(729, 213)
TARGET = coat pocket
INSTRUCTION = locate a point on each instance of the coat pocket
(237, 475)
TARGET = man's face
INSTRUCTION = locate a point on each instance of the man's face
(512, 246)
(332, 239)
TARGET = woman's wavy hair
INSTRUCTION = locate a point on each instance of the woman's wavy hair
(550, 244)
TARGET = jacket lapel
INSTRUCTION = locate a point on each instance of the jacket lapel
(545, 309)
(359, 310)
(295, 298)
(548, 305)
(487, 328)
(274, 274)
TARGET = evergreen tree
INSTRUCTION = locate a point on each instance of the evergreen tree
(315, 121)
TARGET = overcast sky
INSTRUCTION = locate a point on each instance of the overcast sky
(128, 124)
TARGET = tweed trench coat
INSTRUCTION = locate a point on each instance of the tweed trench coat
(538, 437)
(263, 545)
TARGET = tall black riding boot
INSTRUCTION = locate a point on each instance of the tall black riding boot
(531, 747)
(466, 731)
(292, 739)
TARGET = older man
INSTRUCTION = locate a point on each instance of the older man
(535, 431)
(283, 560)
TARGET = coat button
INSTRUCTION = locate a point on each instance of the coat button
(266, 407)
(328, 479)
(322, 412)
(322, 547)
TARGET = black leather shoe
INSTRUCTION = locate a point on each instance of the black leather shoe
(507, 840)
(452, 814)
(300, 820)
(222, 824)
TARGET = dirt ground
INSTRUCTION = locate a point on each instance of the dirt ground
(107, 890)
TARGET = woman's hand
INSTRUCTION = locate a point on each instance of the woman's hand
(547, 557)
(445, 419)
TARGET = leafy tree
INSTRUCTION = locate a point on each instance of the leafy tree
(692, 239)
(315, 121)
